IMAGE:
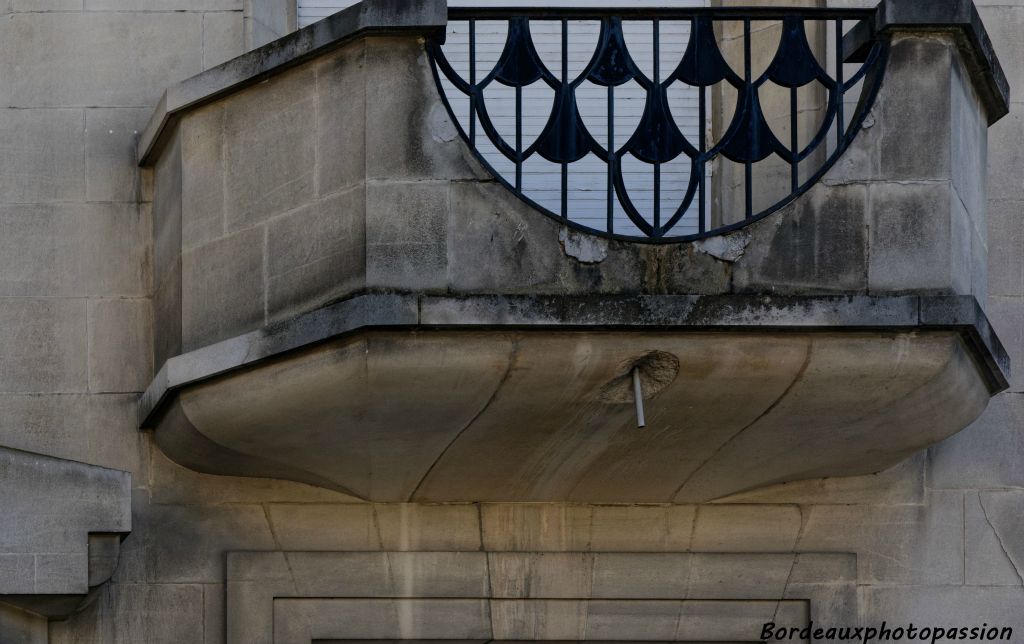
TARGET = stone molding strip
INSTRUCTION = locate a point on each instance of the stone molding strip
(636, 312)
(959, 17)
(286, 597)
(367, 18)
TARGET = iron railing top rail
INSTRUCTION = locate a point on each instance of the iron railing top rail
(657, 13)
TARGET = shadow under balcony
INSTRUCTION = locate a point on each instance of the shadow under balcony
(352, 294)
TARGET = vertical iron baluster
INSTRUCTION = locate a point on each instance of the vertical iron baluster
(657, 166)
(565, 81)
(794, 139)
(840, 118)
(565, 50)
(611, 159)
(702, 109)
(472, 82)
(748, 87)
(565, 191)
(519, 139)
(657, 200)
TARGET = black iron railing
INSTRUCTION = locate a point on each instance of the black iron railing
(674, 206)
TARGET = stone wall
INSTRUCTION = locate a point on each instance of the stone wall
(80, 81)
(936, 540)
(982, 466)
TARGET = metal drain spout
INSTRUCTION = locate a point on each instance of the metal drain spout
(638, 398)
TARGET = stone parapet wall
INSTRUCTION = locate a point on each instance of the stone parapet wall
(391, 199)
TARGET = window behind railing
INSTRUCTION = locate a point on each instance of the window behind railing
(598, 116)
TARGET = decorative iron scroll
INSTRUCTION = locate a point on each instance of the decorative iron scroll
(747, 140)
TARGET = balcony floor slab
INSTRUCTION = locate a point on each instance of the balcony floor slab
(434, 398)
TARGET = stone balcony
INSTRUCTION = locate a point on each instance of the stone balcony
(350, 295)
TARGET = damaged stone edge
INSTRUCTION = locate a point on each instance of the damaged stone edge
(959, 17)
(636, 312)
(427, 18)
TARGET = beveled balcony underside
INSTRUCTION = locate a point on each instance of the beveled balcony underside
(523, 400)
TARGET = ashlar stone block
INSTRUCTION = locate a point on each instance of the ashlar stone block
(89, 69)
(43, 149)
(228, 271)
(120, 345)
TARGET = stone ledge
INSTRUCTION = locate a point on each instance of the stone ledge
(960, 17)
(367, 18)
(639, 312)
(67, 520)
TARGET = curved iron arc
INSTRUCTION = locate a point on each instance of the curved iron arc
(622, 194)
(870, 61)
(831, 112)
(492, 132)
(437, 55)
(684, 206)
(874, 66)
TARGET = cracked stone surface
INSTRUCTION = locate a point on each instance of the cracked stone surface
(1004, 513)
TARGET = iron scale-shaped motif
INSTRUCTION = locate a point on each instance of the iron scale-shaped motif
(657, 140)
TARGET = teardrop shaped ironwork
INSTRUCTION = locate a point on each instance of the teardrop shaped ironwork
(794, 64)
(703, 64)
(611, 65)
(749, 139)
(565, 138)
(657, 139)
(520, 64)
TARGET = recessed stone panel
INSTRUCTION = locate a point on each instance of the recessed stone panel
(295, 597)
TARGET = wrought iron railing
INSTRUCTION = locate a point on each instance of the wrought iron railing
(676, 204)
